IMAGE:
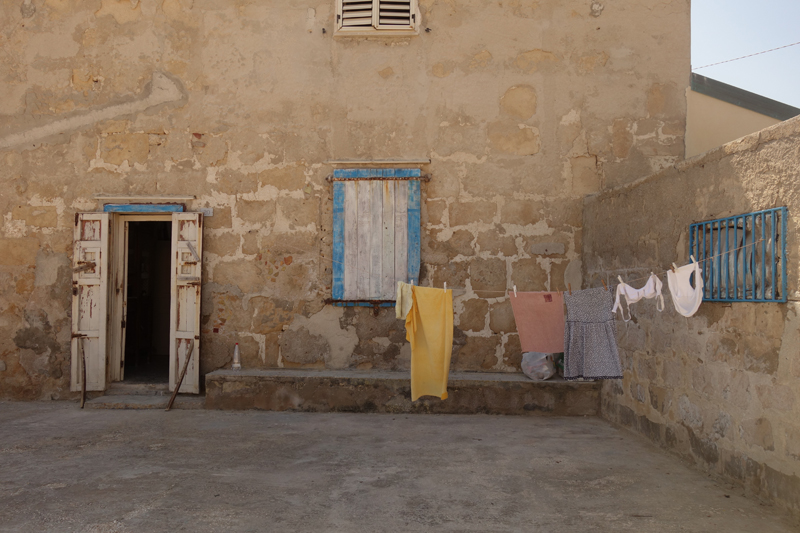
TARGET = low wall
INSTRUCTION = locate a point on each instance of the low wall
(722, 388)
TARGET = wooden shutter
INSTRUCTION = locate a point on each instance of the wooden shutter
(376, 235)
(356, 14)
(395, 14)
(184, 313)
(89, 300)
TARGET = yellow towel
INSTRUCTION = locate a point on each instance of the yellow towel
(429, 329)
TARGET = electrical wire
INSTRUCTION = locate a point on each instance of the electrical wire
(745, 57)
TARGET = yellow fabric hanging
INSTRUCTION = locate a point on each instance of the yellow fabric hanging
(429, 329)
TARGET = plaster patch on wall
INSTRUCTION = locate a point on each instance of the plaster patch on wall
(325, 324)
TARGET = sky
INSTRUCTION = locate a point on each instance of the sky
(728, 29)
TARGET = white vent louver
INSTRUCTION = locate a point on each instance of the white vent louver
(356, 13)
(394, 13)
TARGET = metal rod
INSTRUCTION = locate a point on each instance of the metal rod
(763, 256)
(424, 177)
(189, 352)
(83, 372)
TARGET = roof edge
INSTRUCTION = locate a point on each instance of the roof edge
(740, 97)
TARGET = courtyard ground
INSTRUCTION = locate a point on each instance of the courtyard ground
(63, 469)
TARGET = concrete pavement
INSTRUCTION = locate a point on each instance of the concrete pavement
(63, 469)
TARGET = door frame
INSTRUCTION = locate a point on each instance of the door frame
(119, 286)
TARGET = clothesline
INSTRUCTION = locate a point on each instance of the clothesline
(508, 291)
(700, 261)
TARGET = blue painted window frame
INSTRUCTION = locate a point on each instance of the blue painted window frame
(143, 208)
(729, 273)
(338, 227)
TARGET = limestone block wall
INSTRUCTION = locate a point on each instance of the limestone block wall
(722, 388)
(522, 107)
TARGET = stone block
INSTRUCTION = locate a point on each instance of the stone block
(547, 248)
(477, 354)
(515, 139)
(496, 244)
(245, 274)
(299, 212)
(437, 210)
(512, 352)
(211, 151)
(779, 397)
(130, 147)
(18, 252)
(761, 354)
(528, 275)
(501, 317)
(473, 318)
(221, 219)
(459, 243)
(38, 216)
(455, 274)
(464, 213)
(488, 275)
(288, 178)
(758, 432)
(520, 212)
(519, 102)
(301, 348)
(250, 243)
(256, 212)
(585, 176)
(793, 442)
(225, 244)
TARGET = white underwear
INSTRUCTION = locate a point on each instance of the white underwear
(686, 298)
(651, 289)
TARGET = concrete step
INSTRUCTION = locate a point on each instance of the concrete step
(140, 401)
(122, 388)
(390, 392)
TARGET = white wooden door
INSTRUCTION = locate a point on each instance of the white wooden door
(184, 313)
(90, 300)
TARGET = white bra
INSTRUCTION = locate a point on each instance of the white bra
(686, 298)
(651, 289)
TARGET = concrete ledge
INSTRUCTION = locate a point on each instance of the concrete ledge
(390, 392)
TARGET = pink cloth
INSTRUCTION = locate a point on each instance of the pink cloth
(540, 321)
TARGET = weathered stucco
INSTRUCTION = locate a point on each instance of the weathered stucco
(522, 107)
(720, 388)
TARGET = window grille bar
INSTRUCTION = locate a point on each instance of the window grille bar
(763, 256)
(741, 256)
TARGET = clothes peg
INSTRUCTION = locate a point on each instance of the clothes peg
(412, 281)
(604, 284)
(693, 259)
(569, 286)
(620, 279)
(515, 291)
(445, 286)
(674, 266)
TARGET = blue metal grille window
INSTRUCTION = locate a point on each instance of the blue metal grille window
(376, 234)
(743, 257)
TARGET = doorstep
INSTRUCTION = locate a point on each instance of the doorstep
(123, 395)
(390, 392)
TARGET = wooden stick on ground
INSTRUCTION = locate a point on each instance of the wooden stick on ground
(83, 372)
(189, 352)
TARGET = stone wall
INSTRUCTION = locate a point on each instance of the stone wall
(522, 107)
(722, 388)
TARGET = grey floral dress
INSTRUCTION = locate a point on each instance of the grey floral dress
(590, 342)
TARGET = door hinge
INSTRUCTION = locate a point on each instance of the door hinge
(123, 323)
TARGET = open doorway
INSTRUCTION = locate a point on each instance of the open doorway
(147, 302)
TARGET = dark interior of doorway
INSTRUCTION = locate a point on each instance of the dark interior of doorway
(147, 322)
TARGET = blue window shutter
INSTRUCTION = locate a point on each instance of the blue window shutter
(413, 232)
(338, 240)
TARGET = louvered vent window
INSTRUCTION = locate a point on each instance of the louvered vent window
(362, 17)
